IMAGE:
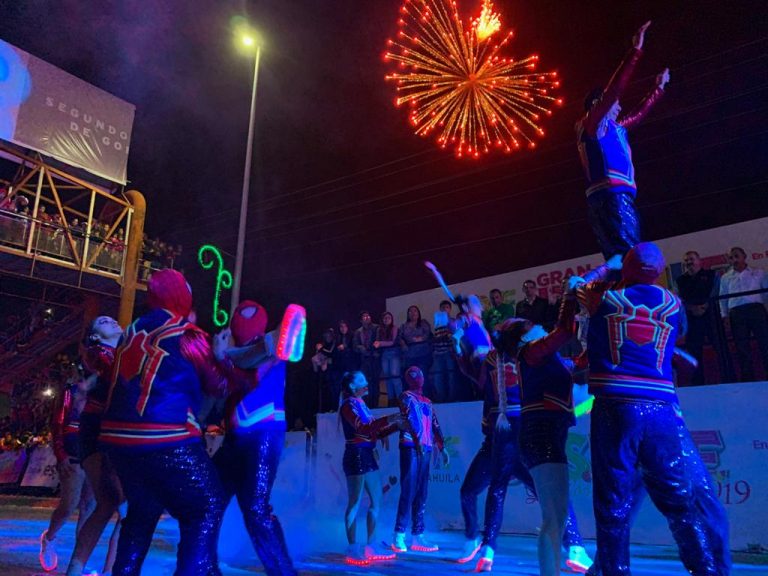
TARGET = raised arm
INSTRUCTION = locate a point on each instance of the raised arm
(539, 350)
(637, 115)
(617, 84)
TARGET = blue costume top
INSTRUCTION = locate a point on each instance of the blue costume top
(360, 428)
(546, 386)
(631, 339)
(157, 384)
(421, 415)
(258, 401)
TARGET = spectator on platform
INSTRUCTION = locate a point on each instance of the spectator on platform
(533, 307)
(444, 377)
(322, 365)
(367, 357)
(696, 287)
(498, 311)
(416, 342)
(388, 348)
(344, 359)
(746, 315)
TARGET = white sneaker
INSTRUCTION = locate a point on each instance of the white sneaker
(48, 557)
(578, 560)
(356, 555)
(421, 544)
(373, 553)
(398, 542)
(485, 563)
(471, 548)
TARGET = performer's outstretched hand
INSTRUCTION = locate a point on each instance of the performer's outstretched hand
(663, 78)
(637, 39)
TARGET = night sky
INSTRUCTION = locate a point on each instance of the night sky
(346, 201)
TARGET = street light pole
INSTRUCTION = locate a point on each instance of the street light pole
(246, 188)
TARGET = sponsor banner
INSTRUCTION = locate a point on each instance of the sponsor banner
(57, 114)
(726, 422)
(41, 471)
(712, 245)
(12, 465)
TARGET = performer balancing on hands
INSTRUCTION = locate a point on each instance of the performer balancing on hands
(417, 441)
(607, 158)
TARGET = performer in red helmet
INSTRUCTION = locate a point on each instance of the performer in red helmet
(637, 434)
(162, 369)
(249, 457)
(418, 441)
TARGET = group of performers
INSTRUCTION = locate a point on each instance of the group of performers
(138, 439)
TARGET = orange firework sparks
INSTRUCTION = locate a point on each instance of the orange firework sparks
(458, 84)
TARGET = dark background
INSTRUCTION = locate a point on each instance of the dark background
(345, 201)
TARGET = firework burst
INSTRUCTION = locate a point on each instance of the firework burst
(458, 84)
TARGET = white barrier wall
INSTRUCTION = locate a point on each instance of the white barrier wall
(726, 421)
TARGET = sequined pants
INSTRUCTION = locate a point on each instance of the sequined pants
(183, 481)
(414, 481)
(247, 463)
(613, 218)
(494, 465)
(647, 439)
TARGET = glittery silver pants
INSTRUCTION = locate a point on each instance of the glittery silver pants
(494, 465)
(183, 481)
(247, 464)
(648, 440)
(614, 221)
(414, 481)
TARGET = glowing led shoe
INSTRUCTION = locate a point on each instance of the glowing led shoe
(421, 544)
(578, 560)
(374, 553)
(485, 563)
(356, 556)
(398, 542)
(471, 548)
(48, 557)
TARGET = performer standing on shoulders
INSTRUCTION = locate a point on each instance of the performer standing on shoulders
(607, 158)
(416, 446)
(361, 431)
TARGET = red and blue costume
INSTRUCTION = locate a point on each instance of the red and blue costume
(415, 454)
(607, 161)
(361, 431)
(499, 460)
(162, 368)
(248, 459)
(636, 433)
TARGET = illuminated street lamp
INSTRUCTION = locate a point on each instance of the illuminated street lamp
(248, 42)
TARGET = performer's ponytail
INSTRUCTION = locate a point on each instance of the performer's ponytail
(502, 423)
